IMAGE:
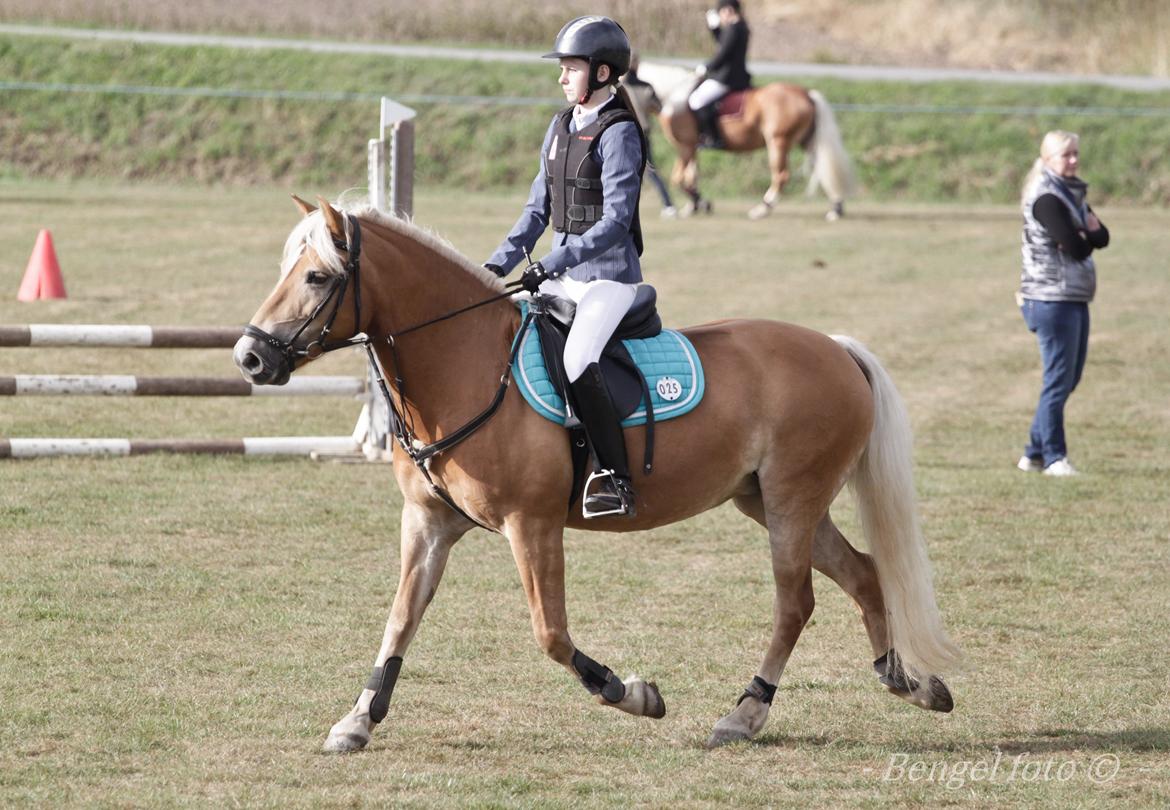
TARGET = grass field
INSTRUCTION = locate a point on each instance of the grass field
(183, 631)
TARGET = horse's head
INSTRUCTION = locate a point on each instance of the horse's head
(316, 305)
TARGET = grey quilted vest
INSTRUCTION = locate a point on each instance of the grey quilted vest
(1050, 274)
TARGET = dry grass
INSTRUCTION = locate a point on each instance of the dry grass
(1111, 36)
(182, 632)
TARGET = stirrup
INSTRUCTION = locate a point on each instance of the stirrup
(620, 489)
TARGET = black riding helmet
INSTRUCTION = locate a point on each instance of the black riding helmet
(598, 40)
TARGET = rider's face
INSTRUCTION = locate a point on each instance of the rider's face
(574, 77)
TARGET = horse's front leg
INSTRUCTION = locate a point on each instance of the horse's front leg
(538, 548)
(428, 533)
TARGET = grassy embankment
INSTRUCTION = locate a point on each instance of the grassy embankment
(320, 145)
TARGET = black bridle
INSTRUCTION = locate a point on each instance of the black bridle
(289, 353)
(401, 427)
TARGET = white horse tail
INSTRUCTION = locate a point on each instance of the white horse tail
(883, 485)
(831, 170)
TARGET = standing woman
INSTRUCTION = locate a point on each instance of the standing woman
(1058, 281)
(587, 188)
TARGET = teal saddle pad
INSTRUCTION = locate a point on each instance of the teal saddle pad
(668, 360)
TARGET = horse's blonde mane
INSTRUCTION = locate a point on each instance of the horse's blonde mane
(312, 232)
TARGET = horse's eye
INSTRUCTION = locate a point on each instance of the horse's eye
(316, 278)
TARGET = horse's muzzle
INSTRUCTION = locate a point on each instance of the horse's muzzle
(261, 363)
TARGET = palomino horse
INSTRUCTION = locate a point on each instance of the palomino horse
(777, 116)
(790, 416)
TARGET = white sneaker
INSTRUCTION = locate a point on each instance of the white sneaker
(1029, 464)
(1061, 468)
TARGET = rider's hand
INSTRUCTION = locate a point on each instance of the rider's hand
(712, 19)
(701, 71)
(533, 275)
(495, 268)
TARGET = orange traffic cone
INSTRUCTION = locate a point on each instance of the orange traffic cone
(42, 277)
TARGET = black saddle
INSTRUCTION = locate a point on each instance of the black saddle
(626, 383)
(552, 317)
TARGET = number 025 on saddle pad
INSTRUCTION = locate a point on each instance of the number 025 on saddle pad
(665, 365)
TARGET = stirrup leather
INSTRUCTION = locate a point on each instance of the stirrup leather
(621, 491)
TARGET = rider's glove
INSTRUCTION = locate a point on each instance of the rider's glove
(533, 275)
(495, 268)
(712, 19)
(701, 71)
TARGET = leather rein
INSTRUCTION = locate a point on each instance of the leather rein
(401, 426)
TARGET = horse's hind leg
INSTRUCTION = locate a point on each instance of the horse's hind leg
(790, 536)
(538, 548)
(685, 175)
(428, 533)
(778, 147)
(854, 571)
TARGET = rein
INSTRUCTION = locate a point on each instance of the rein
(402, 432)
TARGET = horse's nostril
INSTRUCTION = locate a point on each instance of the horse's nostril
(251, 362)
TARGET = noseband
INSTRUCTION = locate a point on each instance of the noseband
(289, 353)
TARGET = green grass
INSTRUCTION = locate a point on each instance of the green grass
(238, 142)
(183, 631)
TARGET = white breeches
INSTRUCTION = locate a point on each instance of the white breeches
(707, 92)
(601, 305)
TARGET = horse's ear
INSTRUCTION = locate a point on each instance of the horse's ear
(332, 219)
(306, 208)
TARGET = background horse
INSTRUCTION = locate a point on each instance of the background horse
(790, 416)
(777, 116)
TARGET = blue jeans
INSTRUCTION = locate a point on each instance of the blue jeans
(1062, 330)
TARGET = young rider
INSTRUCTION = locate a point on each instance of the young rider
(587, 188)
(725, 72)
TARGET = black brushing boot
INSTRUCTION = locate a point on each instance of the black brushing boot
(613, 494)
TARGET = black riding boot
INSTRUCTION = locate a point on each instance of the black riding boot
(709, 134)
(612, 493)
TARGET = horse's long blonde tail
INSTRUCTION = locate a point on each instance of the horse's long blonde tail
(883, 484)
(831, 170)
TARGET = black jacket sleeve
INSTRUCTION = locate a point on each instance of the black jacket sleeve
(1057, 220)
(1100, 237)
(728, 38)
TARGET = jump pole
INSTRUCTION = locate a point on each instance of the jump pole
(131, 336)
(258, 446)
(128, 385)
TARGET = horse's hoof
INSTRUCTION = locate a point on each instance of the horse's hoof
(832, 216)
(759, 211)
(935, 696)
(836, 212)
(346, 736)
(744, 722)
(670, 212)
(344, 743)
(726, 732)
(642, 699)
(686, 211)
(654, 706)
